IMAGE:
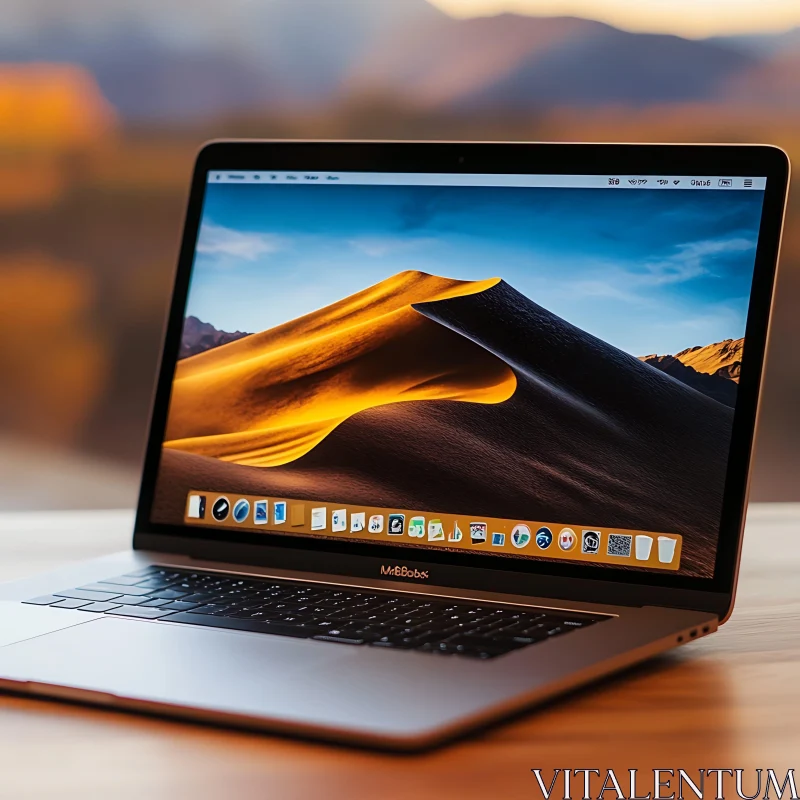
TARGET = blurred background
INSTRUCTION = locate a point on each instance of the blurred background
(104, 104)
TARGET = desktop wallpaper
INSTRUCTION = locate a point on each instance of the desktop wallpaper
(559, 354)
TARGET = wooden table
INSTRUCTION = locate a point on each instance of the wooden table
(729, 701)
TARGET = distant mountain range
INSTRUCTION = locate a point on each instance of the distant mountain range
(722, 358)
(194, 58)
(198, 337)
(713, 370)
(515, 62)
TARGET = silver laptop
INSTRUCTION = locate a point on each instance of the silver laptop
(440, 431)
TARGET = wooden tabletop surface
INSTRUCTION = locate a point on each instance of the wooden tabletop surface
(729, 701)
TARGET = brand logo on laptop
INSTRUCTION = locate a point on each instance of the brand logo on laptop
(404, 572)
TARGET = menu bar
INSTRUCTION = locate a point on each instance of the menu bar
(658, 182)
(570, 542)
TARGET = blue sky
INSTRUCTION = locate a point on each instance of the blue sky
(648, 271)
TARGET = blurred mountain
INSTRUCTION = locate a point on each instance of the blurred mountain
(764, 45)
(197, 58)
(774, 83)
(517, 62)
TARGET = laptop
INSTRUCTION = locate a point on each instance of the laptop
(441, 431)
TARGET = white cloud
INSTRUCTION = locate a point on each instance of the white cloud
(607, 279)
(691, 260)
(217, 240)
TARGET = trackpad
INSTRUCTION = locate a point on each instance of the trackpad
(19, 621)
(254, 675)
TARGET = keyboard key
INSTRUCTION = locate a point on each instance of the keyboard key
(527, 638)
(155, 603)
(256, 614)
(45, 600)
(69, 603)
(100, 608)
(165, 594)
(515, 629)
(378, 630)
(399, 642)
(395, 644)
(478, 643)
(97, 597)
(177, 605)
(130, 600)
(409, 621)
(199, 599)
(140, 612)
(123, 580)
(579, 623)
(422, 639)
(104, 587)
(155, 584)
(215, 608)
(340, 639)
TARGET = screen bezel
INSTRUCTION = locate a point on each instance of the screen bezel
(474, 570)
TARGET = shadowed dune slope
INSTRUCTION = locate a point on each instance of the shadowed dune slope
(713, 385)
(591, 436)
(270, 398)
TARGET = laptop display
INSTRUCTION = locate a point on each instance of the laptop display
(521, 366)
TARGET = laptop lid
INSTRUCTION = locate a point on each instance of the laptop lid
(532, 368)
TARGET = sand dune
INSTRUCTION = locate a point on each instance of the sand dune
(270, 398)
(590, 436)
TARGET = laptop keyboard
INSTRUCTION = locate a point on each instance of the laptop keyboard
(320, 612)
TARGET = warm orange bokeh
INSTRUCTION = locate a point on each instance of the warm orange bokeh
(51, 356)
(54, 106)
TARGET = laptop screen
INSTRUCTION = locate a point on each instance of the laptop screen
(519, 366)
